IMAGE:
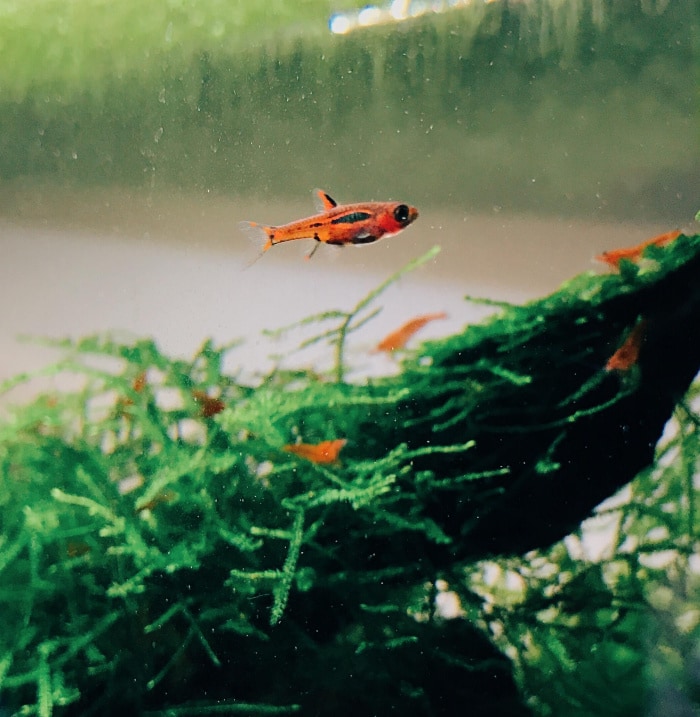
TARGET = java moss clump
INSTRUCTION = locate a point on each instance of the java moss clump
(162, 554)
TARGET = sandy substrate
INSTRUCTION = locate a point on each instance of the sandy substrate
(175, 268)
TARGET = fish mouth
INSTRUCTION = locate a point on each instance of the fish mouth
(412, 214)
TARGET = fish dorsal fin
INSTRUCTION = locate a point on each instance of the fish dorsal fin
(324, 202)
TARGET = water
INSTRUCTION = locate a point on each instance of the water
(559, 109)
(530, 136)
(176, 269)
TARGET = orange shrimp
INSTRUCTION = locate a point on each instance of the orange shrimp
(77, 548)
(399, 338)
(634, 253)
(323, 452)
(627, 355)
(209, 406)
(165, 496)
(339, 225)
(138, 385)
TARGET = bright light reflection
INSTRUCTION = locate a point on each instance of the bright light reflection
(369, 15)
(339, 24)
(399, 9)
(395, 11)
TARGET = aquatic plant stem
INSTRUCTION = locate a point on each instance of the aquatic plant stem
(345, 326)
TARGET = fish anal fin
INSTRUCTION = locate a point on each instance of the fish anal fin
(323, 201)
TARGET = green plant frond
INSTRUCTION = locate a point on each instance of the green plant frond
(413, 524)
(283, 586)
(257, 575)
(227, 708)
(240, 540)
(344, 328)
(313, 320)
(92, 507)
(391, 644)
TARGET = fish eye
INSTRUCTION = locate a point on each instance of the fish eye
(401, 213)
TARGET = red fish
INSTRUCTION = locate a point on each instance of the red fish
(323, 452)
(339, 225)
(399, 338)
(627, 355)
(634, 253)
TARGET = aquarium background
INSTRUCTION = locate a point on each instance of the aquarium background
(574, 108)
(531, 135)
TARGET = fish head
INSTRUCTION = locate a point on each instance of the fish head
(397, 216)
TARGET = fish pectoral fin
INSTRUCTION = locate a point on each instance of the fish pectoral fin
(313, 251)
(323, 201)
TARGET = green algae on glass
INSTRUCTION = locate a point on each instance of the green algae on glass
(161, 553)
(524, 106)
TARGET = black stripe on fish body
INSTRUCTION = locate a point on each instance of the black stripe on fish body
(351, 218)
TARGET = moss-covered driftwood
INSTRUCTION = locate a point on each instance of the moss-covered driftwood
(162, 554)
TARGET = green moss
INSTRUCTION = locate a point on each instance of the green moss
(160, 553)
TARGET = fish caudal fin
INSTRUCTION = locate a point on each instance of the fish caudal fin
(259, 233)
